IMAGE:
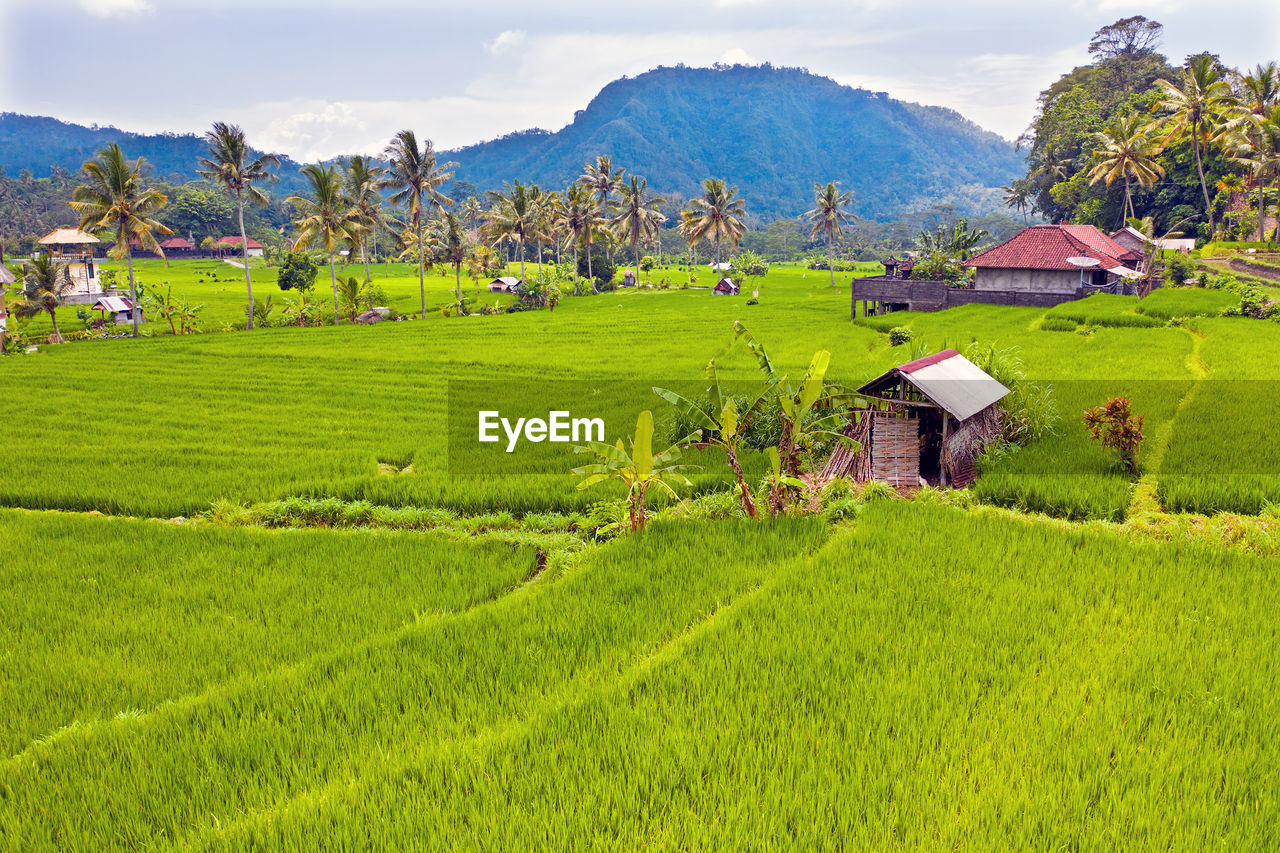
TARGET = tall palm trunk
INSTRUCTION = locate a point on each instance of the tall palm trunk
(457, 280)
(57, 333)
(539, 257)
(133, 286)
(1204, 187)
(1127, 208)
(368, 276)
(521, 245)
(831, 263)
(333, 278)
(422, 282)
(575, 269)
(244, 256)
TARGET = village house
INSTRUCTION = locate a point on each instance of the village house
(1056, 259)
(505, 284)
(253, 248)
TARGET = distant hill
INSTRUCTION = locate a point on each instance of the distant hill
(37, 143)
(772, 131)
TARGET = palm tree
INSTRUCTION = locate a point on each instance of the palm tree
(602, 180)
(829, 217)
(360, 184)
(416, 178)
(1257, 149)
(229, 166)
(688, 229)
(325, 220)
(1198, 106)
(114, 202)
(1018, 196)
(1261, 88)
(44, 285)
(635, 220)
(514, 218)
(579, 219)
(472, 210)
(719, 214)
(1126, 150)
(451, 238)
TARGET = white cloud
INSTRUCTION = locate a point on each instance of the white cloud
(736, 56)
(506, 40)
(115, 8)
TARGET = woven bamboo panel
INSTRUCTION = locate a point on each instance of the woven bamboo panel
(895, 449)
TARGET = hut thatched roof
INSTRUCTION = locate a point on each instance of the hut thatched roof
(6, 275)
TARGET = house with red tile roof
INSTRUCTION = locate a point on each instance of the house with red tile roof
(253, 248)
(1055, 259)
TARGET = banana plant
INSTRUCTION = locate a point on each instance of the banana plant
(639, 470)
(779, 483)
(721, 425)
(800, 431)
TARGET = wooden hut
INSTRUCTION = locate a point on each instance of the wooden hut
(505, 284)
(927, 422)
(725, 287)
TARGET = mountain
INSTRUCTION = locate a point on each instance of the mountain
(772, 131)
(38, 143)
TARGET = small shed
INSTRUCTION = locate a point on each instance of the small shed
(178, 246)
(928, 420)
(368, 318)
(726, 287)
(505, 284)
(628, 278)
(252, 247)
(119, 307)
(6, 275)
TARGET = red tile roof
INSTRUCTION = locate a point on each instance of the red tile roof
(235, 241)
(1047, 247)
(177, 243)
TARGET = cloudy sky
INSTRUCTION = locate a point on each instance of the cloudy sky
(315, 78)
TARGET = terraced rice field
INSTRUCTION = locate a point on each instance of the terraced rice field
(325, 671)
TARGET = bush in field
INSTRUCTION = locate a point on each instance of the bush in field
(602, 268)
(298, 272)
(1177, 270)
(1117, 429)
(899, 335)
(1058, 324)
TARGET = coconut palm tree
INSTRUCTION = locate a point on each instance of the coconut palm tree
(579, 219)
(1126, 150)
(325, 220)
(415, 177)
(44, 285)
(1018, 196)
(603, 180)
(829, 217)
(361, 181)
(114, 202)
(635, 220)
(231, 166)
(719, 214)
(1199, 104)
(472, 209)
(1261, 88)
(513, 217)
(1257, 149)
(451, 240)
(688, 229)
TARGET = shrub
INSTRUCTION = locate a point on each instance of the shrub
(899, 335)
(1177, 270)
(1058, 324)
(298, 272)
(1117, 429)
(753, 301)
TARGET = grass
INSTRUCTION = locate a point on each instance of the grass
(962, 681)
(1104, 309)
(1169, 302)
(132, 614)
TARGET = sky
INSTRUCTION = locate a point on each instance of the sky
(319, 78)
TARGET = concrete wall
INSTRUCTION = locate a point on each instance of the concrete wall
(1033, 281)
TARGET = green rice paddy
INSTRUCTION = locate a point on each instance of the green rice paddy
(406, 646)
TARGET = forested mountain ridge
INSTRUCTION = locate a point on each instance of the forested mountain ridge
(772, 131)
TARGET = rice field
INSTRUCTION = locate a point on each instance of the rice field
(927, 679)
(411, 642)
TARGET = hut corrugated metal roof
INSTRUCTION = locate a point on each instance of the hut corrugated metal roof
(947, 379)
